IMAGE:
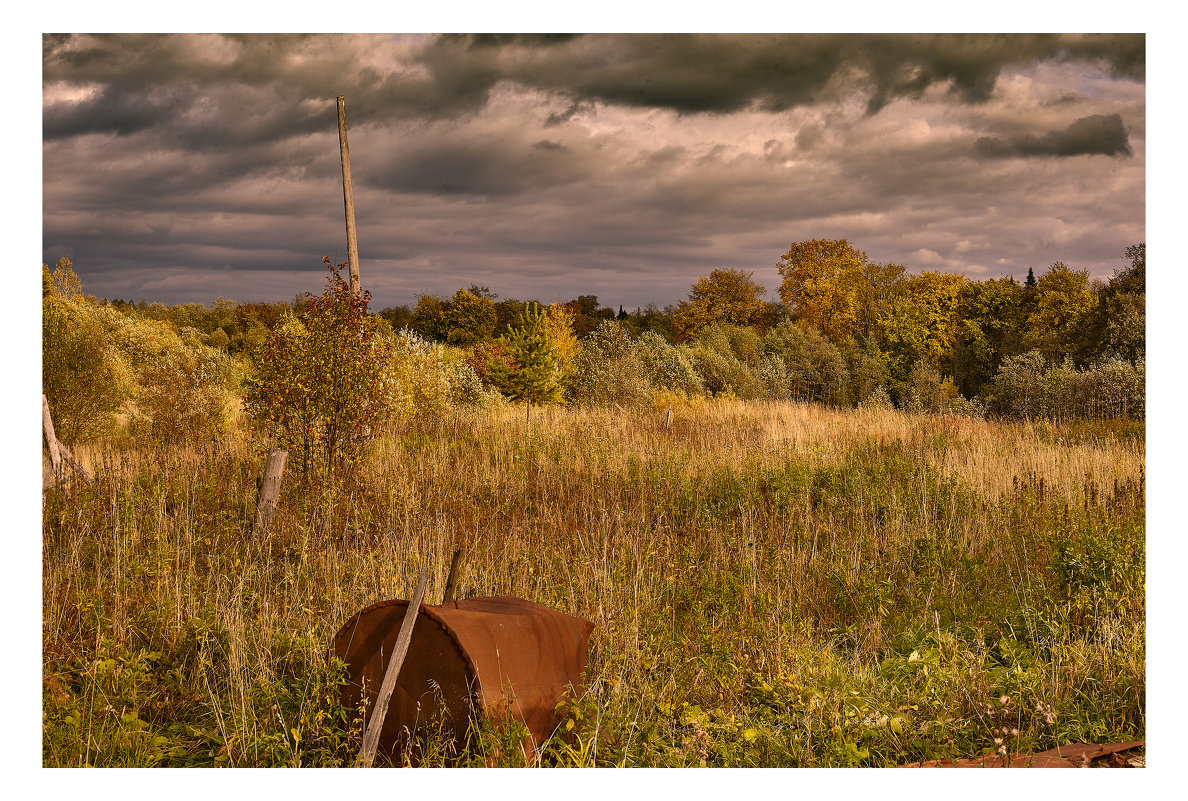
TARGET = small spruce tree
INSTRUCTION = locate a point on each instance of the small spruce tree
(534, 373)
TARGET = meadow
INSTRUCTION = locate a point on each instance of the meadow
(772, 583)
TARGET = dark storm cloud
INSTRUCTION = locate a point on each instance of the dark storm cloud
(190, 166)
(685, 73)
(1095, 135)
(722, 74)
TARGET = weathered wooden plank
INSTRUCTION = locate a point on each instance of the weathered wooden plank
(376, 724)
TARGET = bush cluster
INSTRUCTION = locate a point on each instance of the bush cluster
(1028, 386)
(100, 366)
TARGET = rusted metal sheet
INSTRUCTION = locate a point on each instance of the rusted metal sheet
(1075, 755)
(500, 657)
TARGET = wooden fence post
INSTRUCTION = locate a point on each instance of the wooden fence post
(269, 492)
(668, 419)
(371, 737)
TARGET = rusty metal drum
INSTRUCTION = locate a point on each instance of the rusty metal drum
(503, 658)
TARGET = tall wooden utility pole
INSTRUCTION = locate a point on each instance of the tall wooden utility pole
(348, 196)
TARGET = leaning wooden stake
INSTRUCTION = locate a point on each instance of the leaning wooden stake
(371, 737)
(47, 424)
(269, 492)
(68, 457)
(451, 578)
(348, 196)
(668, 419)
(59, 454)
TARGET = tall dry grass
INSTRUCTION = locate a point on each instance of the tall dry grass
(759, 575)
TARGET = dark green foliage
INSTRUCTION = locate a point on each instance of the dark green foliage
(815, 367)
(991, 329)
(398, 317)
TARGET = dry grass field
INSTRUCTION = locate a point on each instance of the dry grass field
(774, 584)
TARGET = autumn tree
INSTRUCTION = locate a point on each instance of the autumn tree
(877, 285)
(921, 324)
(821, 281)
(1064, 301)
(559, 328)
(725, 295)
(469, 318)
(990, 330)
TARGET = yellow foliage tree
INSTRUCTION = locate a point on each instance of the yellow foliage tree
(921, 323)
(822, 279)
(559, 328)
(1064, 300)
(725, 295)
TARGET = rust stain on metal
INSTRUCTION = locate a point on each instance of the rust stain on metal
(501, 657)
(1075, 755)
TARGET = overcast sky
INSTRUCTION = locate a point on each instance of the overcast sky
(184, 167)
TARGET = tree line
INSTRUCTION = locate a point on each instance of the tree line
(862, 329)
(845, 332)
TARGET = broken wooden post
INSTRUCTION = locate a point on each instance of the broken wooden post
(348, 196)
(269, 492)
(59, 454)
(47, 425)
(451, 578)
(372, 736)
(668, 419)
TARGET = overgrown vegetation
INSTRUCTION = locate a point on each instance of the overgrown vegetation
(771, 584)
(788, 571)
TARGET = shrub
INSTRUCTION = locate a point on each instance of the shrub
(85, 379)
(815, 367)
(772, 374)
(184, 394)
(869, 371)
(325, 379)
(422, 362)
(1115, 388)
(609, 371)
(665, 366)
(878, 398)
(925, 390)
(1017, 390)
(1026, 386)
(722, 372)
